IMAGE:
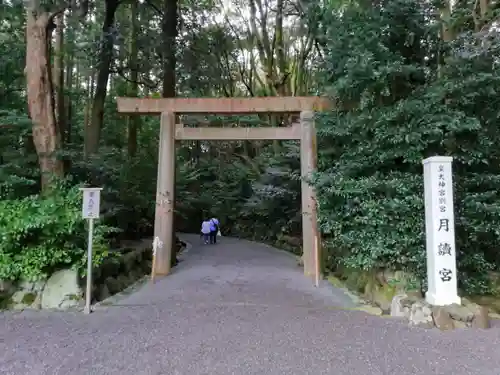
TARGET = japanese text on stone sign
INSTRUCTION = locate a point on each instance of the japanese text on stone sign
(443, 248)
(445, 274)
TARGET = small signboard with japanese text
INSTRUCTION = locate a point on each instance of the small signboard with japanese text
(91, 202)
(90, 211)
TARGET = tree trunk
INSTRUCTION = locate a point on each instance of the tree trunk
(169, 31)
(90, 83)
(58, 77)
(132, 121)
(481, 19)
(40, 97)
(68, 101)
(71, 81)
(93, 131)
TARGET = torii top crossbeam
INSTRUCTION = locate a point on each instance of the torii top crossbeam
(279, 104)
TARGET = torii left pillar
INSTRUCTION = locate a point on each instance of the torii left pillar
(164, 214)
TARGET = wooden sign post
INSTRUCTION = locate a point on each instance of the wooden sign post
(90, 211)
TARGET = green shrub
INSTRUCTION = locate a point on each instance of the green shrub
(370, 186)
(41, 234)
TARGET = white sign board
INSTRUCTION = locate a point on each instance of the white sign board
(440, 232)
(91, 202)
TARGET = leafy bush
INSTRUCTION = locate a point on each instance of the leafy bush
(129, 185)
(274, 206)
(42, 234)
(381, 62)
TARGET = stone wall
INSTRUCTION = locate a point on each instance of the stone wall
(419, 313)
(289, 243)
(65, 289)
(378, 287)
(117, 273)
(398, 294)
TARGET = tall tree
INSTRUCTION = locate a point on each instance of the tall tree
(169, 35)
(39, 85)
(133, 121)
(93, 131)
(58, 76)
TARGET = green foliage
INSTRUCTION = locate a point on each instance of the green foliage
(407, 94)
(273, 208)
(382, 62)
(13, 55)
(42, 234)
(129, 186)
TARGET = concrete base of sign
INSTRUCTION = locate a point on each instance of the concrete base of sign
(441, 300)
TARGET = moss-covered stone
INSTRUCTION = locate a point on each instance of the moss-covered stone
(29, 298)
(130, 261)
(135, 275)
(492, 302)
(146, 267)
(357, 280)
(73, 297)
(104, 293)
(5, 302)
(372, 310)
(113, 285)
(335, 281)
(110, 268)
(123, 281)
(140, 256)
(402, 281)
(377, 286)
(382, 295)
(96, 275)
(147, 255)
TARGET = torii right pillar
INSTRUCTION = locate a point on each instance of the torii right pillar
(311, 241)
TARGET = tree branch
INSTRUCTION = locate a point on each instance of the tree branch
(121, 73)
(152, 5)
(82, 9)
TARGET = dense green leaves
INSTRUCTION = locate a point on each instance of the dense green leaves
(382, 63)
(40, 235)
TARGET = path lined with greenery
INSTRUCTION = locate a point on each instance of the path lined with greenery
(236, 308)
(404, 92)
(410, 79)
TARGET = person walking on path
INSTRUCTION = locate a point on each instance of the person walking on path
(206, 231)
(214, 229)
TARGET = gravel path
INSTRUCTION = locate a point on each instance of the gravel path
(236, 308)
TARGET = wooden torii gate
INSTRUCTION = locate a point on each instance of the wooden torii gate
(304, 131)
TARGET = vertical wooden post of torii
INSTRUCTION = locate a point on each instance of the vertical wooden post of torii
(164, 213)
(311, 241)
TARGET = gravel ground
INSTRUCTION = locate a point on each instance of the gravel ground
(236, 308)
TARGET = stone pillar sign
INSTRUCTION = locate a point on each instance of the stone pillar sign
(440, 232)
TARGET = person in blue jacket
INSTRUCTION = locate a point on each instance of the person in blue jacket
(214, 229)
